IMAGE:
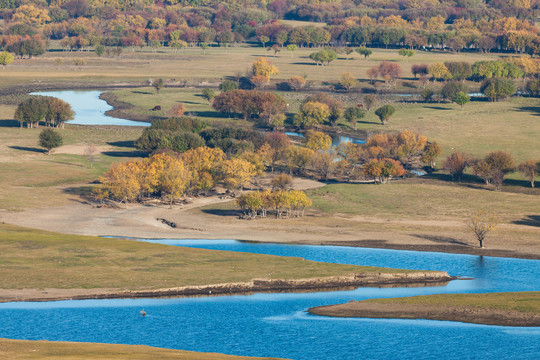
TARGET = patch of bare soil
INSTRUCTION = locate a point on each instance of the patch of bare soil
(430, 312)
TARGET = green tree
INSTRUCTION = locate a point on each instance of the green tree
(353, 113)
(364, 51)
(228, 85)
(5, 58)
(461, 99)
(50, 139)
(292, 48)
(323, 56)
(208, 94)
(158, 85)
(498, 88)
(406, 53)
(31, 111)
(452, 88)
(385, 112)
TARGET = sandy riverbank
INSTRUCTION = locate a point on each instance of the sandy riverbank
(449, 312)
(412, 279)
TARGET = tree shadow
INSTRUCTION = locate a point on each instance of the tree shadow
(9, 123)
(305, 63)
(126, 143)
(31, 149)
(143, 92)
(529, 220)
(437, 108)
(210, 114)
(534, 109)
(441, 239)
(190, 102)
(130, 154)
(223, 212)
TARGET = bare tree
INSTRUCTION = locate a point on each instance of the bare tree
(481, 223)
(90, 152)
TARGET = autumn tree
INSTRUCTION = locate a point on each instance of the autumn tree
(50, 139)
(439, 71)
(312, 113)
(275, 145)
(317, 140)
(58, 112)
(5, 58)
(529, 169)
(263, 67)
(432, 151)
(347, 81)
(177, 110)
(296, 83)
(419, 69)
(235, 173)
(373, 73)
(121, 182)
(384, 113)
(298, 158)
(455, 164)
(174, 179)
(389, 71)
(382, 170)
(370, 100)
(480, 224)
(282, 182)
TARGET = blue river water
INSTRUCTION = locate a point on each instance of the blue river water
(89, 108)
(278, 325)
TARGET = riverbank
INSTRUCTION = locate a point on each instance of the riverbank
(52, 350)
(330, 283)
(505, 309)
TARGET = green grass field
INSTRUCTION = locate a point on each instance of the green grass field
(56, 350)
(34, 259)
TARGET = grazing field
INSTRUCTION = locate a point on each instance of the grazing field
(34, 259)
(53, 350)
(192, 64)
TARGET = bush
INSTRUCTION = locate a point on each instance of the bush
(498, 88)
(451, 88)
(228, 85)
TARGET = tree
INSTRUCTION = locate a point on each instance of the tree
(263, 67)
(452, 88)
(427, 94)
(204, 46)
(282, 182)
(382, 170)
(292, 48)
(58, 112)
(228, 85)
(389, 71)
(158, 85)
(419, 69)
(264, 39)
(90, 152)
(296, 83)
(173, 179)
(347, 81)
(323, 56)
(208, 94)
(439, 71)
(317, 140)
(235, 173)
(312, 113)
(384, 113)
(406, 53)
(370, 100)
(364, 51)
(177, 110)
(432, 150)
(498, 88)
(50, 139)
(353, 113)
(5, 58)
(480, 224)
(455, 164)
(373, 73)
(529, 169)
(461, 99)
(31, 111)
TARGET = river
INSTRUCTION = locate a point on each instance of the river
(278, 324)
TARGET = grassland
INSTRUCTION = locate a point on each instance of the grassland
(27, 350)
(191, 64)
(33, 259)
(511, 309)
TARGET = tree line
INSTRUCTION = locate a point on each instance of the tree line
(282, 203)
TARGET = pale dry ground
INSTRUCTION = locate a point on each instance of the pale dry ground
(66, 212)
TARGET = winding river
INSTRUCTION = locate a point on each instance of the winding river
(278, 324)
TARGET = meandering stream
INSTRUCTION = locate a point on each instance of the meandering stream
(278, 325)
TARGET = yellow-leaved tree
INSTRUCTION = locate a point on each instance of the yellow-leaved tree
(121, 182)
(236, 173)
(262, 66)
